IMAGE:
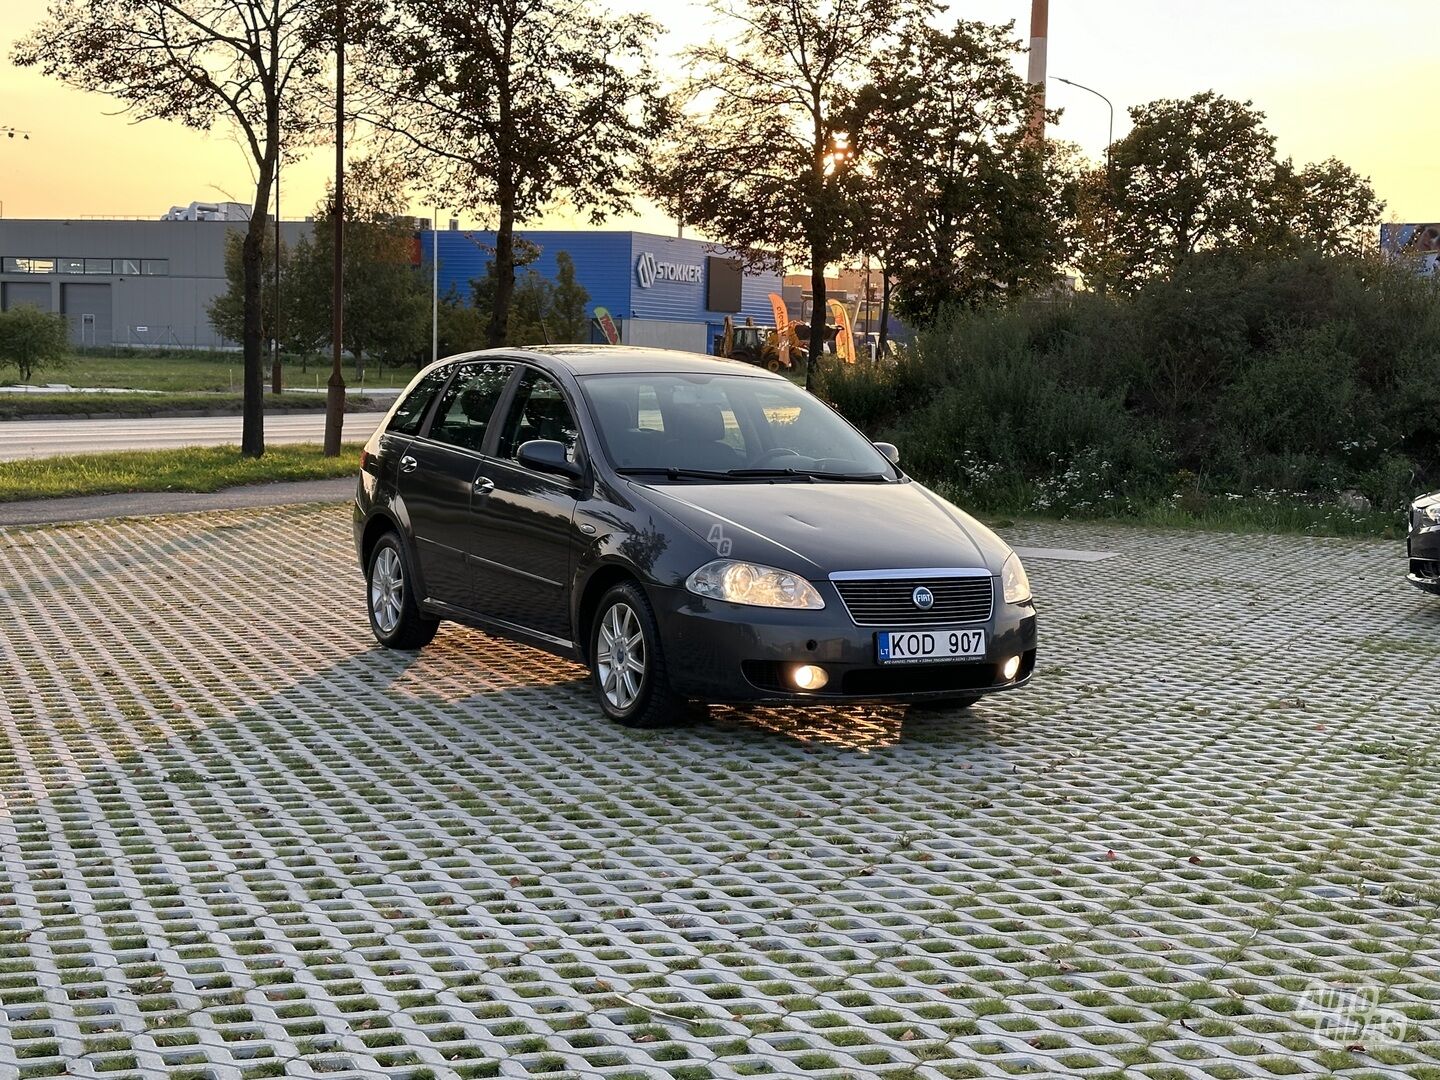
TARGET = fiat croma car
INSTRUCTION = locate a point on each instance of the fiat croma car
(691, 529)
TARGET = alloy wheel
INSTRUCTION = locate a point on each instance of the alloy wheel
(387, 590)
(620, 657)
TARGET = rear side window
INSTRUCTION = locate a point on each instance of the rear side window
(464, 413)
(411, 413)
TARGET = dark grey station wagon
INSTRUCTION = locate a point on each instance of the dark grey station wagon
(691, 529)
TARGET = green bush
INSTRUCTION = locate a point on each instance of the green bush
(1274, 379)
(31, 339)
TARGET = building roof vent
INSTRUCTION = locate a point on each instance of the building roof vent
(209, 211)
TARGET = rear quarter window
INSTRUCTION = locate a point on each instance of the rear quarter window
(406, 419)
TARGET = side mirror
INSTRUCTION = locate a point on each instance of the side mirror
(548, 456)
(890, 450)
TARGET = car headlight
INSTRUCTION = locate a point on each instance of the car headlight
(1431, 513)
(1015, 581)
(749, 583)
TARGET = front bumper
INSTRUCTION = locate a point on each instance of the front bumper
(722, 652)
(1423, 549)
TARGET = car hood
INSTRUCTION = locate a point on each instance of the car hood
(817, 529)
(1425, 500)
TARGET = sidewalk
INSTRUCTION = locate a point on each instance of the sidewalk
(155, 503)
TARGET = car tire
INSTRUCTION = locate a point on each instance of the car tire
(961, 701)
(395, 616)
(635, 691)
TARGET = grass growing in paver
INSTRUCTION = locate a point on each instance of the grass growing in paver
(196, 468)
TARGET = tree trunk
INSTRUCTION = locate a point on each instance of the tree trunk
(818, 321)
(252, 254)
(884, 309)
(504, 270)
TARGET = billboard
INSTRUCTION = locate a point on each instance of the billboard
(1417, 242)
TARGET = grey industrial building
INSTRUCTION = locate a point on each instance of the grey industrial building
(140, 282)
(151, 282)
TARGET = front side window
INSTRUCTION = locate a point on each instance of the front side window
(465, 410)
(539, 411)
(406, 419)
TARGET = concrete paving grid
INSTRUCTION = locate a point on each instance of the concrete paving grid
(239, 840)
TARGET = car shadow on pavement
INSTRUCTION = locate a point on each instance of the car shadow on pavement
(536, 680)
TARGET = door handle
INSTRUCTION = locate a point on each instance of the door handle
(408, 464)
(484, 485)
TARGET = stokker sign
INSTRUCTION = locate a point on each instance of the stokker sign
(649, 270)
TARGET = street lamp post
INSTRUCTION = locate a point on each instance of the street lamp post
(1111, 140)
(335, 388)
(1109, 176)
(276, 377)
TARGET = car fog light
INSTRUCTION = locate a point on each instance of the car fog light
(809, 677)
(1011, 668)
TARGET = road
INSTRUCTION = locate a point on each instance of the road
(47, 438)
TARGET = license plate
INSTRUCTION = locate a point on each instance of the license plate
(928, 646)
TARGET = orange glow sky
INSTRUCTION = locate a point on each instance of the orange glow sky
(1335, 77)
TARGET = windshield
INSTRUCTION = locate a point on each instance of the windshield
(726, 426)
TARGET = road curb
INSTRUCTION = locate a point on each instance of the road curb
(166, 414)
(156, 503)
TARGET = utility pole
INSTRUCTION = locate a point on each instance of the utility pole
(1039, 42)
(335, 389)
(434, 284)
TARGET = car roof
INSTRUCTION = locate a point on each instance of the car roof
(613, 359)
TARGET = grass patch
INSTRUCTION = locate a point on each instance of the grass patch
(196, 468)
(1217, 514)
(22, 406)
(199, 372)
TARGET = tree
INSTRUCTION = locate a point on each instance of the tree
(462, 326)
(567, 320)
(762, 157)
(250, 63)
(541, 311)
(516, 103)
(958, 200)
(227, 310)
(1201, 174)
(1191, 174)
(1329, 206)
(386, 300)
(31, 339)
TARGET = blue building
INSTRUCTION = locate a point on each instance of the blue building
(662, 291)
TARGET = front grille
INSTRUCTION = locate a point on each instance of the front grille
(889, 601)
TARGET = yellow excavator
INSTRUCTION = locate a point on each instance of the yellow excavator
(759, 345)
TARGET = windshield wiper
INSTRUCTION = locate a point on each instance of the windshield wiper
(673, 473)
(763, 474)
(806, 474)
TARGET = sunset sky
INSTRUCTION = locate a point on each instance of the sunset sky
(1335, 78)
